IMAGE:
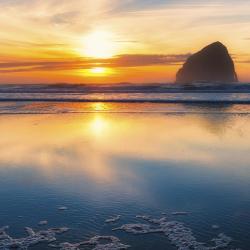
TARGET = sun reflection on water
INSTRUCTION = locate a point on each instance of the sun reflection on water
(99, 106)
(87, 141)
(98, 126)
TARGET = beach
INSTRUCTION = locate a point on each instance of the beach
(95, 167)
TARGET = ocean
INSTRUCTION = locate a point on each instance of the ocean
(166, 171)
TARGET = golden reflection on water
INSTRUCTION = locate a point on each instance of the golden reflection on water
(100, 106)
(88, 144)
(98, 126)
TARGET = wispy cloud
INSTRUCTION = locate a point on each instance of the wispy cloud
(30, 44)
(87, 63)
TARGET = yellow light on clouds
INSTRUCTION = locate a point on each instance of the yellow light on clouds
(98, 72)
(100, 44)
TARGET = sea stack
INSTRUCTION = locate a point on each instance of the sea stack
(211, 64)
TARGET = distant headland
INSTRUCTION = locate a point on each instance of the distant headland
(212, 64)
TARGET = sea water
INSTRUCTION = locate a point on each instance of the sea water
(76, 165)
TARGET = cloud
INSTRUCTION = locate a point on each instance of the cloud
(30, 44)
(65, 17)
(244, 61)
(225, 19)
(136, 60)
(141, 5)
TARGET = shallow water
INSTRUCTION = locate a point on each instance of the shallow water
(125, 159)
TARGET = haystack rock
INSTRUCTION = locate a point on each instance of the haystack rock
(211, 64)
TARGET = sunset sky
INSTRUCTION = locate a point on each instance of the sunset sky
(109, 41)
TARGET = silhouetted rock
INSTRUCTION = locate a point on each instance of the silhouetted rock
(213, 63)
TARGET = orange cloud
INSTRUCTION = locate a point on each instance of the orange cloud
(87, 63)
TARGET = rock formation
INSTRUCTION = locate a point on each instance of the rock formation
(211, 64)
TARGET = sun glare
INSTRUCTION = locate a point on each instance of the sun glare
(99, 44)
(98, 126)
(98, 72)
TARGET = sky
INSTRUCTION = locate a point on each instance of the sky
(112, 41)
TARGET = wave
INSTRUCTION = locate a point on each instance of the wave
(39, 107)
(232, 98)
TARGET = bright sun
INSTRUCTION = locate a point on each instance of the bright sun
(100, 44)
(99, 72)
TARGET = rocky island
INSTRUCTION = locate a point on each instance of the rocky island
(212, 64)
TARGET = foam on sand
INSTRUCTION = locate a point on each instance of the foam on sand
(62, 208)
(180, 213)
(176, 232)
(42, 222)
(179, 235)
(113, 243)
(33, 238)
(113, 219)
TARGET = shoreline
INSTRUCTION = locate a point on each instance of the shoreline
(73, 100)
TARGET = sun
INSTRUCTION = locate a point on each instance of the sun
(99, 44)
(97, 72)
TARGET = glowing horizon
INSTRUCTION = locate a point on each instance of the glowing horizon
(110, 41)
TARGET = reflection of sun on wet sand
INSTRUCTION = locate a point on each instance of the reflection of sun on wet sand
(86, 142)
(100, 106)
(106, 160)
(98, 126)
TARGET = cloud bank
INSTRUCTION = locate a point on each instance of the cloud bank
(120, 61)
